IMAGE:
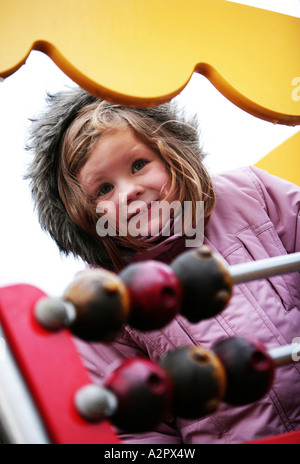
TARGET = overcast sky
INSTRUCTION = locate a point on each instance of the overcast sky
(230, 136)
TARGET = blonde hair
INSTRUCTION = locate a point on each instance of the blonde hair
(164, 129)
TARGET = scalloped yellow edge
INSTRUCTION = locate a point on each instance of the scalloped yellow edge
(142, 53)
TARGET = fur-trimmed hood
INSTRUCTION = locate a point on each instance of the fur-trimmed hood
(45, 141)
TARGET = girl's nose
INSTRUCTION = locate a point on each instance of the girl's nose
(131, 191)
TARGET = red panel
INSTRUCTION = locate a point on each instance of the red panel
(52, 368)
(291, 438)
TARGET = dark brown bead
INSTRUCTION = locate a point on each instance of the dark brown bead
(199, 381)
(206, 281)
(101, 302)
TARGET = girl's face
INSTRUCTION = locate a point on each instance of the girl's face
(124, 177)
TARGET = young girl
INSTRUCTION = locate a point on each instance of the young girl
(89, 152)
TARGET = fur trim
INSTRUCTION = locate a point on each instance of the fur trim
(45, 140)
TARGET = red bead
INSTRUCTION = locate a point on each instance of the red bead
(144, 394)
(199, 381)
(249, 369)
(155, 294)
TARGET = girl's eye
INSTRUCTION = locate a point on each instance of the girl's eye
(138, 165)
(104, 189)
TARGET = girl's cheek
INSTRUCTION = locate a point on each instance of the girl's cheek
(167, 188)
(106, 207)
(165, 180)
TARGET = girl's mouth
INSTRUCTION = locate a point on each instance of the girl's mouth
(140, 212)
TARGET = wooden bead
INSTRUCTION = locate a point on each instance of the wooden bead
(249, 369)
(155, 294)
(144, 394)
(199, 381)
(206, 281)
(101, 302)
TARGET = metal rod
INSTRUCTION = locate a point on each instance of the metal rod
(265, 268)
(287, 354)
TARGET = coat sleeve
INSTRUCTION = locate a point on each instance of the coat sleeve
(99, 360)
(282, 200)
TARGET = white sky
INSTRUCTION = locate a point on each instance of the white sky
(230, 136)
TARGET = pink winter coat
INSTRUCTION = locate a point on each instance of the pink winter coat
(256, 216)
